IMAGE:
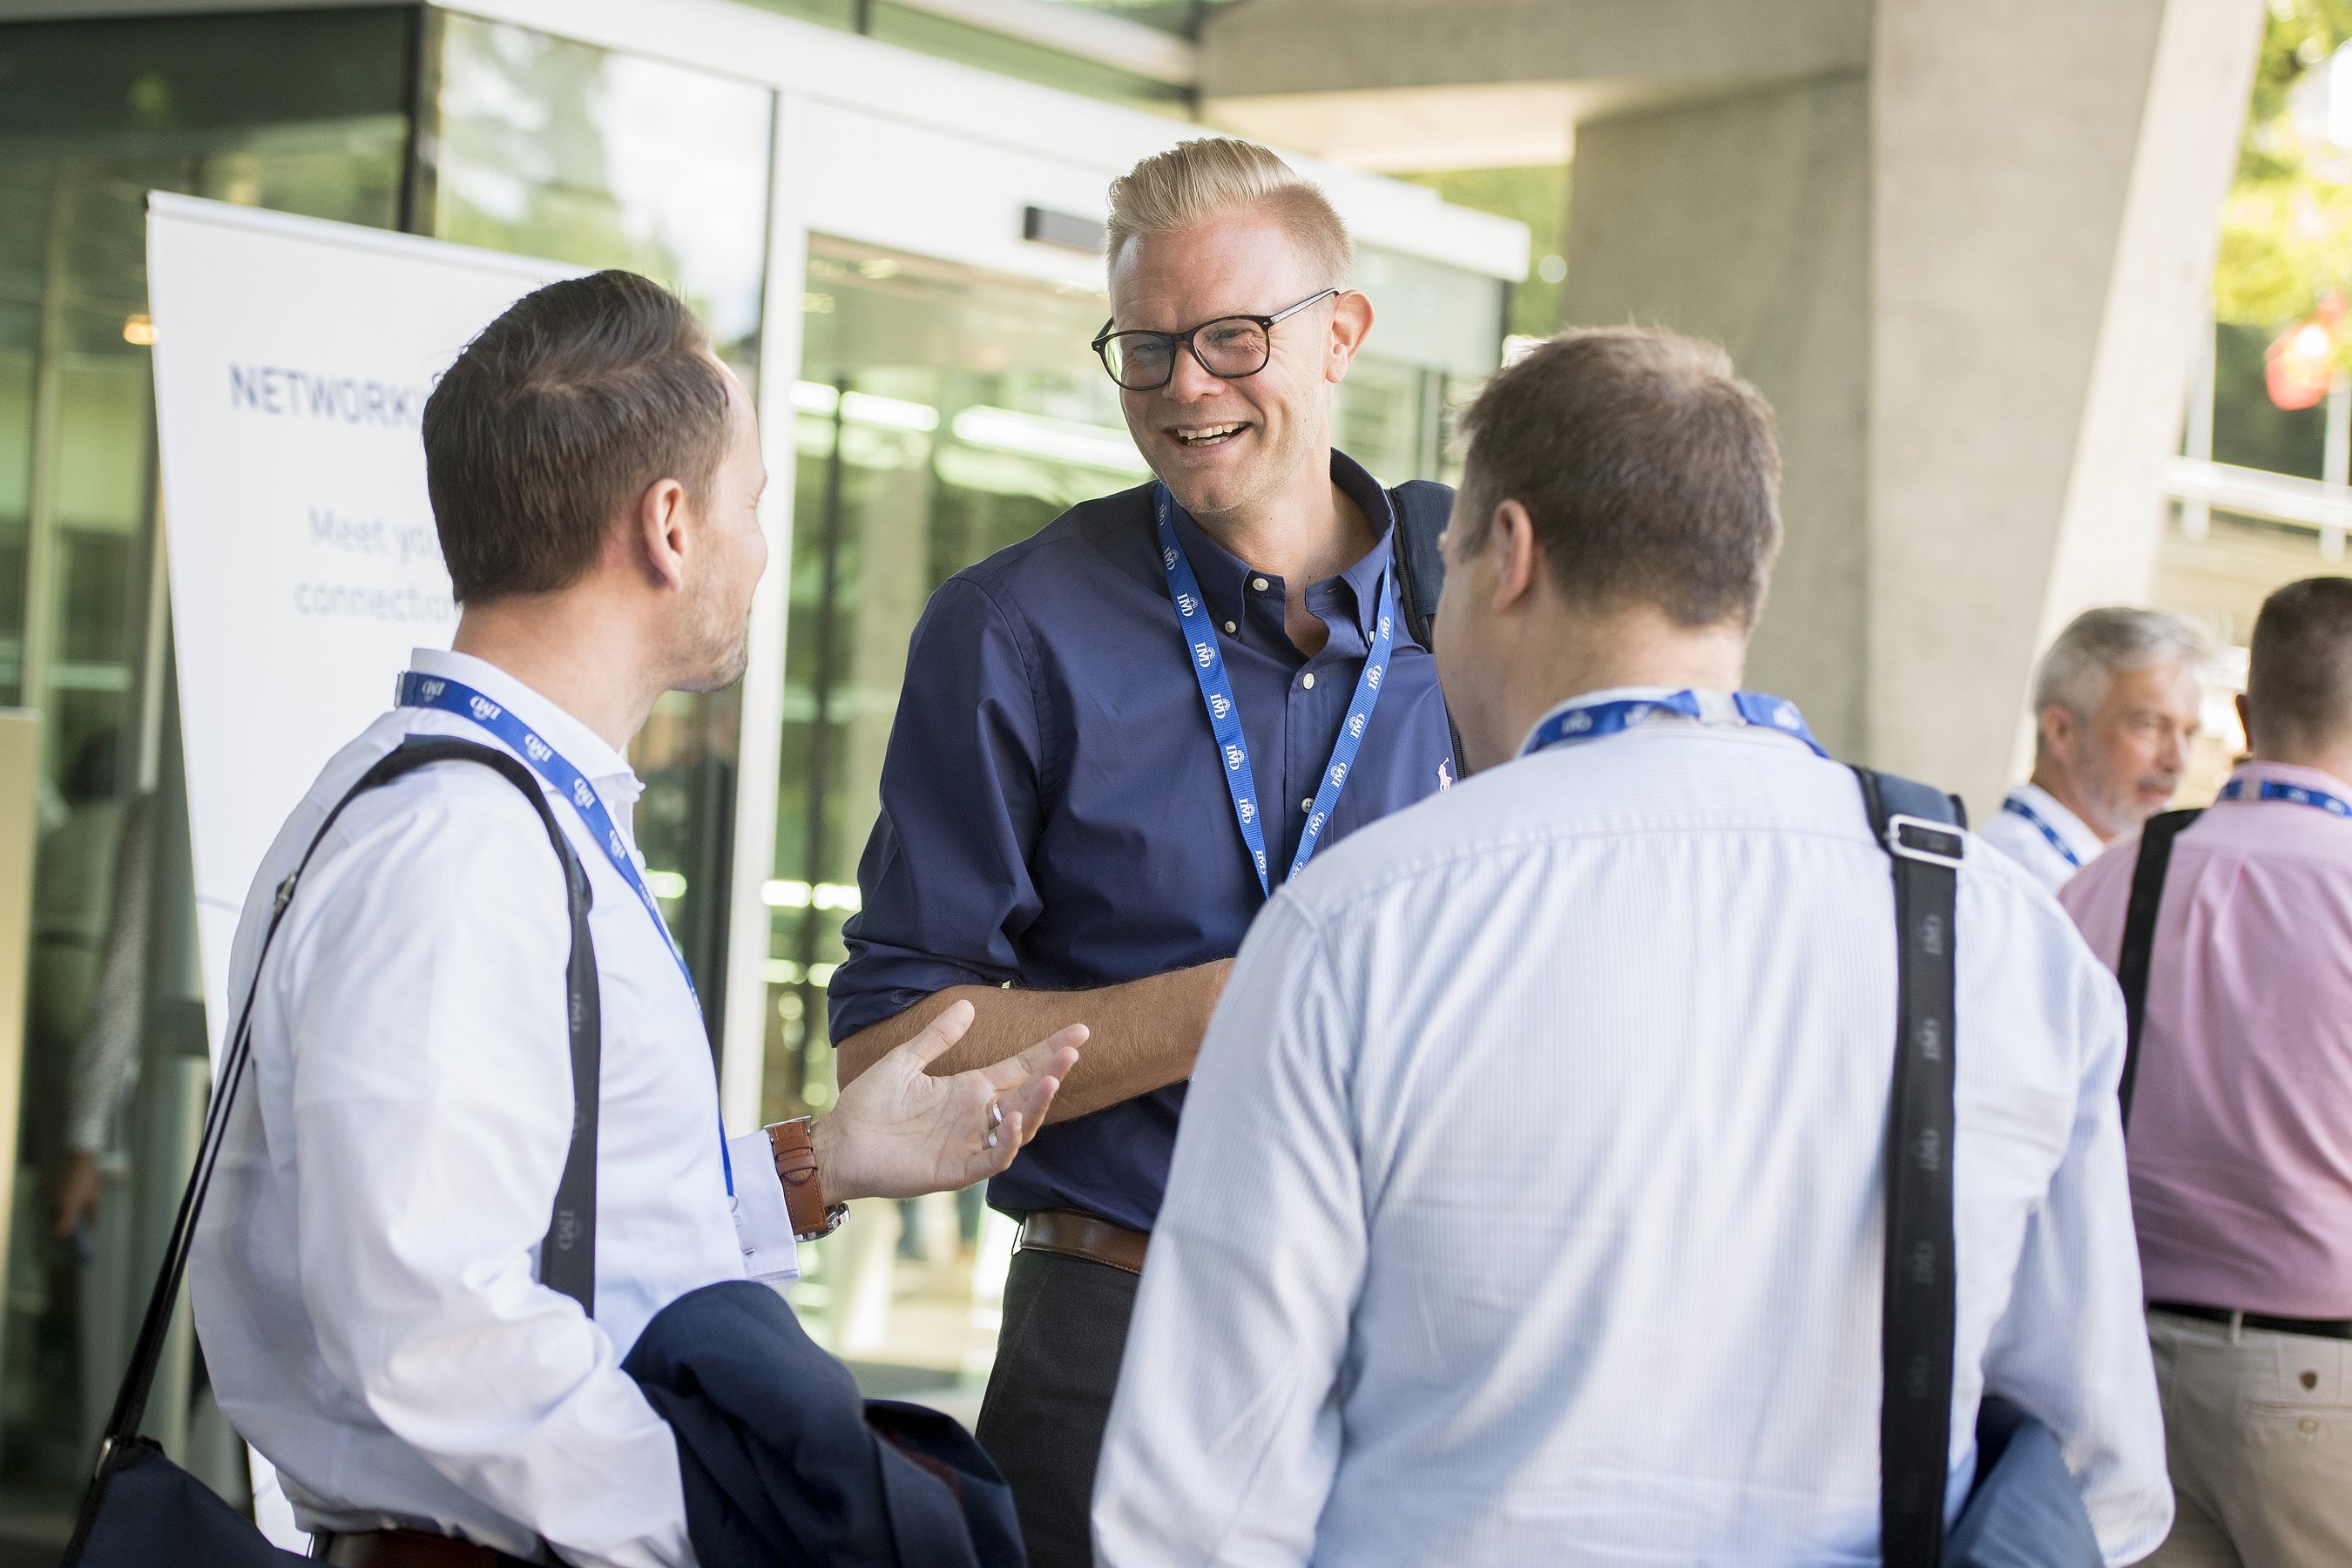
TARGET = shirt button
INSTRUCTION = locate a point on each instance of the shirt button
(2310, 1423)
(1308, 681)
(1229, 628)
(1306, 804)
(1260, 583)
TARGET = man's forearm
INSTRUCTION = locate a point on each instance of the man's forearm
(1145, 1033)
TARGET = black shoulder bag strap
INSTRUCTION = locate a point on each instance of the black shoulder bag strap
(1918, 826)
(2140, 910)
(567, 1257)
(1421, 507)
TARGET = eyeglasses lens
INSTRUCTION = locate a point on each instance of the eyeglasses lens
(1138, 361)
(1236, 347)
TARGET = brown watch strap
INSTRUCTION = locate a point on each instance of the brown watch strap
(796, 1168)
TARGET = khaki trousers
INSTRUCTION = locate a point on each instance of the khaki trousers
(2258, 1433)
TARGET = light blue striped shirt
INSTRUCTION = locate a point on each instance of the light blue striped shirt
(1528, 1203)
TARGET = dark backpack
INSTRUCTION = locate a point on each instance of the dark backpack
(1422, 509)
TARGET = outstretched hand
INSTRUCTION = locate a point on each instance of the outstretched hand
(898, 1132)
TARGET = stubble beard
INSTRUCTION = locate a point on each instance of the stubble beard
(717, 655)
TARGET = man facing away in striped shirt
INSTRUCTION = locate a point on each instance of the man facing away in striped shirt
(1528, 1205)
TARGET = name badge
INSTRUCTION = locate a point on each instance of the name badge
(764, 1227)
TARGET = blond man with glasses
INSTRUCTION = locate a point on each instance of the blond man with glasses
(1117, 737)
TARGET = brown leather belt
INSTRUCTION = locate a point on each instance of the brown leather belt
(411, 1548)
(1074, 1235)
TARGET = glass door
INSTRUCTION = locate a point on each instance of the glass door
(941, 414)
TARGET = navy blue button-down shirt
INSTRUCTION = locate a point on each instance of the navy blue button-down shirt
(1054, 807)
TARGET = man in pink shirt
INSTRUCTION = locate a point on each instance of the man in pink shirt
(2239, 1131)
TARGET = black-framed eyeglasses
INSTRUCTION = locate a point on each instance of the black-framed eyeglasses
(1229, 348)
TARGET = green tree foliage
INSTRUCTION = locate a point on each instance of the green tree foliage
(2287, 234)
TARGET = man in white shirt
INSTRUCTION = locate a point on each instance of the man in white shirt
(1528, 1203)
(365, 1275)
(2114, 707)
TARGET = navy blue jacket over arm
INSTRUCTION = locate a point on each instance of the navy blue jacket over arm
(784, 1464)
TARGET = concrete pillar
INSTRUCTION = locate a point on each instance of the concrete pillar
(1764, 248)
(1959, 246)
(2046, 196)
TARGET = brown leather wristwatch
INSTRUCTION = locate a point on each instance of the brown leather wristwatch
(795, 1154)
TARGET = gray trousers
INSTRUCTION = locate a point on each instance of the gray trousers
(1049, 1399)
(2258, 1433)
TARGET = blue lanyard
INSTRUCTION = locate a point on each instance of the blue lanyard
(420, 690)
(2017, 808)
(2271, 789)
(1603, 718)
(1225, 715)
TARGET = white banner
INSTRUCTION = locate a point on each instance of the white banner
(292, 361)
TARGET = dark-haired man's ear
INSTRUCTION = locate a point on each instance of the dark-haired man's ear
(1518, 558)
(2245, 718)
(658, 533)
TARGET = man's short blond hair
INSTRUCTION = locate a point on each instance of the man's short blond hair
(1195, 181)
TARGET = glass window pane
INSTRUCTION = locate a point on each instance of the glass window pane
(552, 148)
(943, 415)
(936, 35)
(301, 112)
(2249, 429)
(549, 147)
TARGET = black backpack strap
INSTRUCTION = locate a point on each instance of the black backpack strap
(2140, 910)
(1423, 508)
(1919, 829)
(568, 1256)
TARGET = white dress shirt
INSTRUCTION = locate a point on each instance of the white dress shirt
(365, 1276)
(2021, 837)
(1528, 1203)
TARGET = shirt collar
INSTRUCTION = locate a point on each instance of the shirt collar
(2257, 771)
(1717, 711)
(1222, 575)
(2076, 832)
(584, 749)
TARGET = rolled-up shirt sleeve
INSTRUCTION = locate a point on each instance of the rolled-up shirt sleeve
(432, 1102)
(945, 885)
